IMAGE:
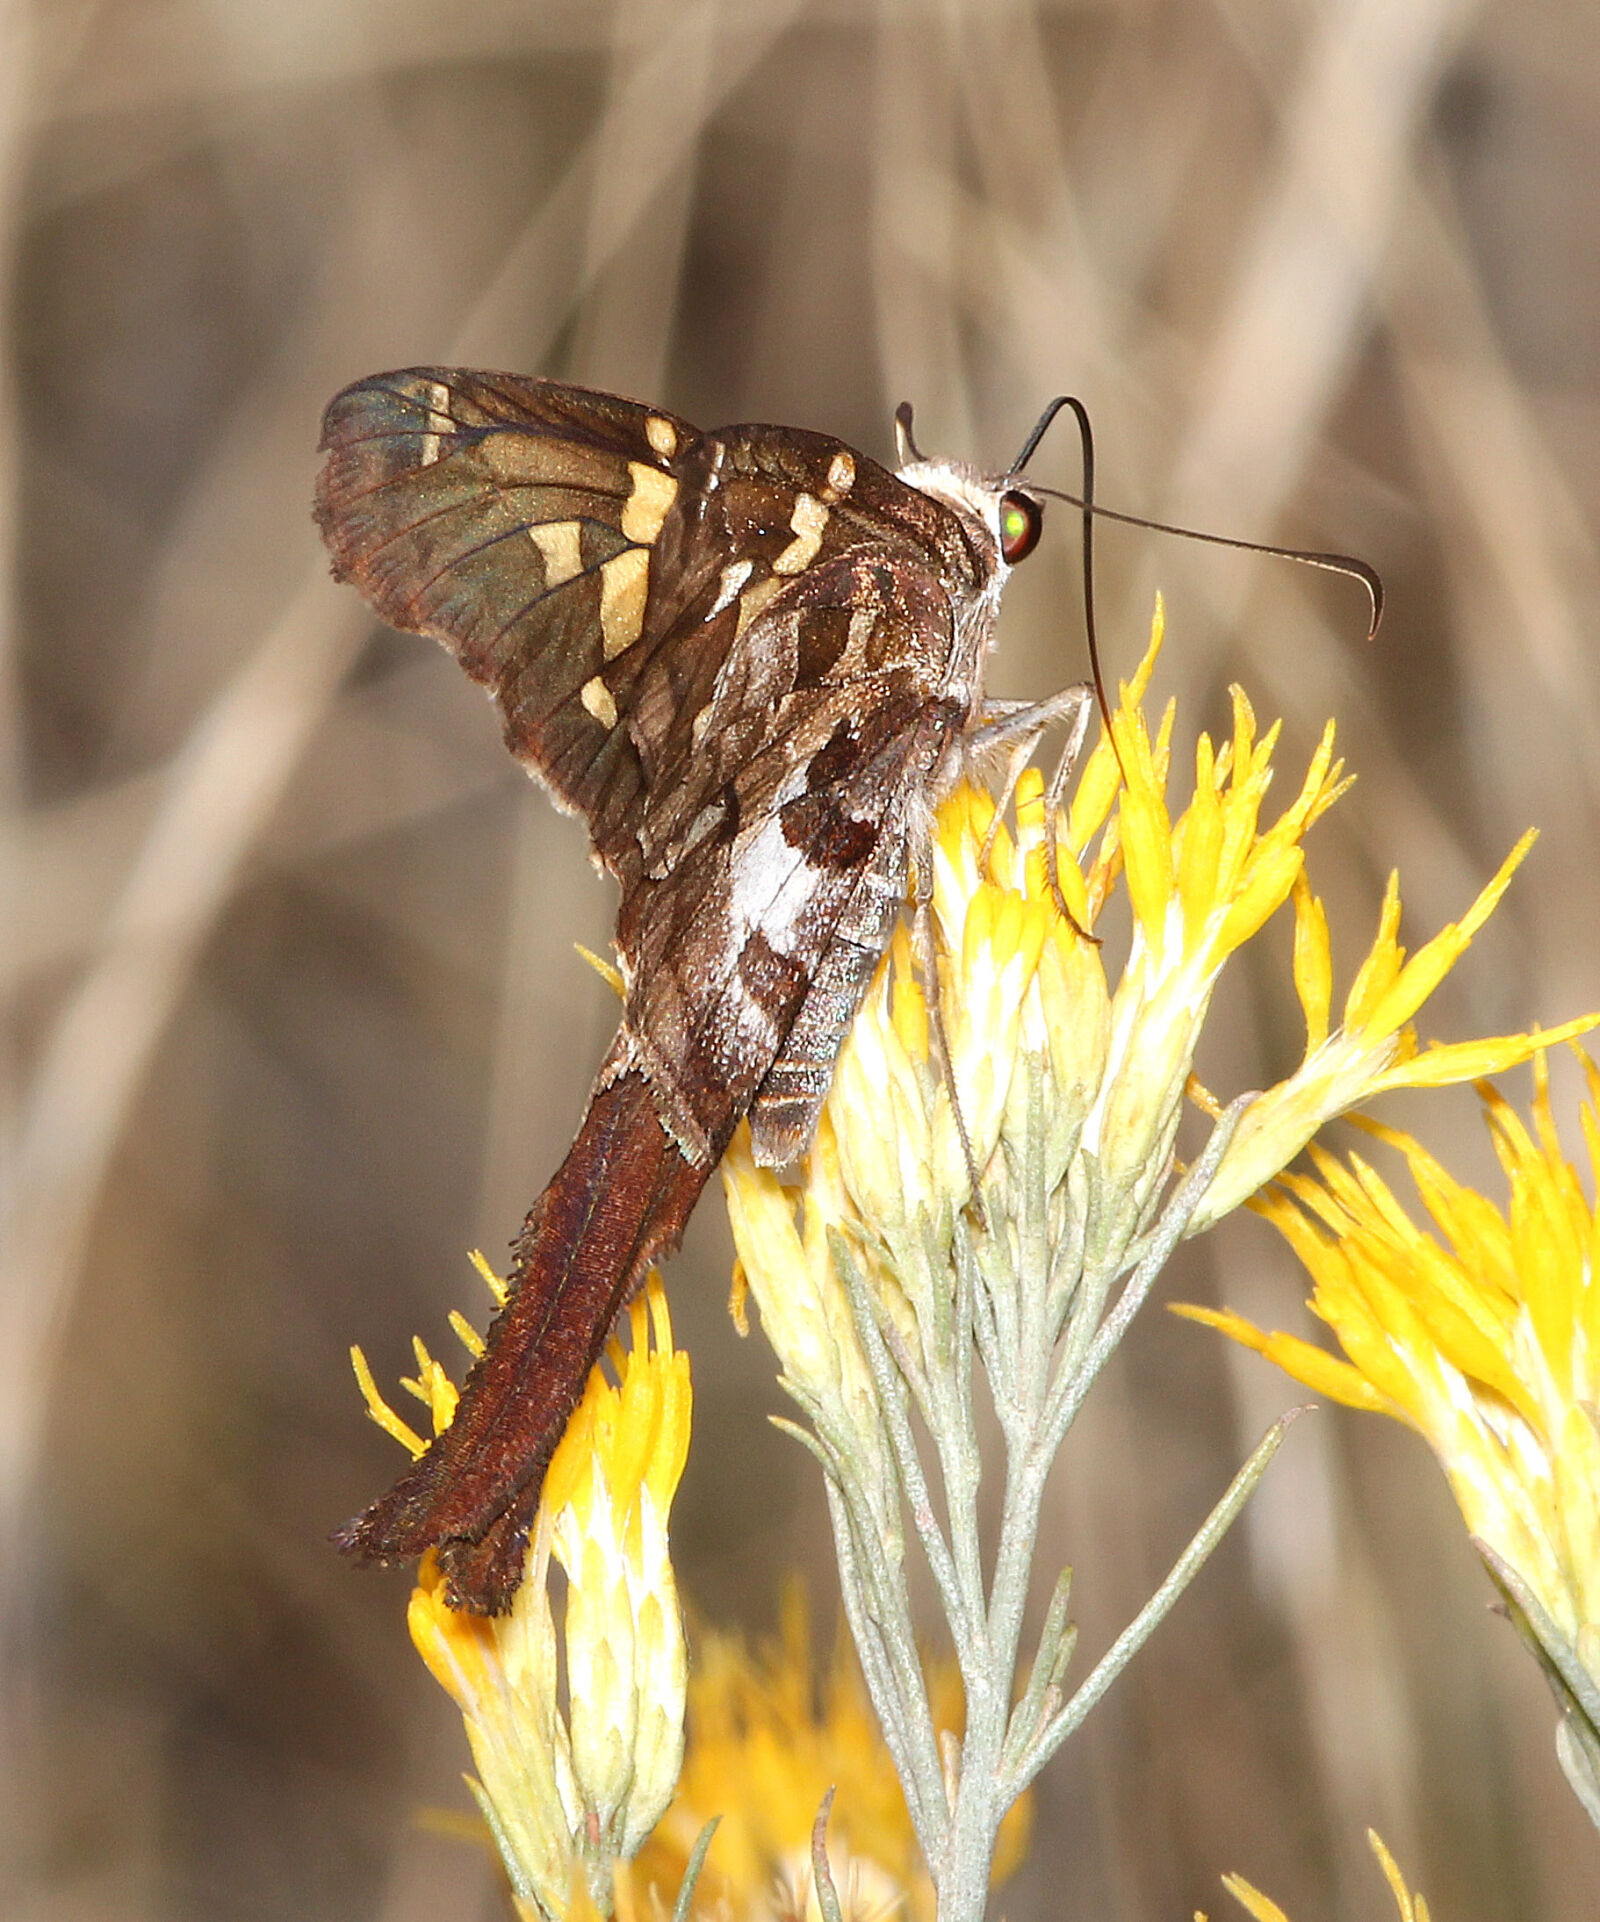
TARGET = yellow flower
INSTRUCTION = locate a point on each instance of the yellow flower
(1483, 1336)
(1374, 1051)
(768, 1737)
(877, 1279)
(1412, 1908)
(1199, 887)
(571, 1794)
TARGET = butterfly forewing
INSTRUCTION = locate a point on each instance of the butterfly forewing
(513, 520)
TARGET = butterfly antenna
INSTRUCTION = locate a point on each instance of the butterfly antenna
(1086, 503)
(1041, 428)
(905, 443)
(1347, 564)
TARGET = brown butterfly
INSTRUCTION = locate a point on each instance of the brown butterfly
(753, 661)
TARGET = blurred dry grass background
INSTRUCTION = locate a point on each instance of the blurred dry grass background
(295, 1017)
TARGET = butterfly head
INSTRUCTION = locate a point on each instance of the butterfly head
(1002, 516)
(1001, 511)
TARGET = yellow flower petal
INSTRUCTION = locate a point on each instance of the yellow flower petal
(1381, 966)
(1313, 963)
(1413, 983)
(1411, 1909)
(1251, 1899)
(1321, 1372)
(1443, 1065)
(378, 1409)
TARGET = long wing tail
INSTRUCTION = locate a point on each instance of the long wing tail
(621, 1197)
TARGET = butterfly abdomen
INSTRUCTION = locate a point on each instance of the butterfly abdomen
(621, 1197)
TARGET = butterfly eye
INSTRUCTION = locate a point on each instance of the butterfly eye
(1021, 523)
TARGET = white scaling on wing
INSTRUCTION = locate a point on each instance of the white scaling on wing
(841, 473)
(862, 622)
(869, 915)
(771, 880)
(707, 821)
(440, 422)
(755, 1031)
(662, 436)
(734, 576)
(808, 520)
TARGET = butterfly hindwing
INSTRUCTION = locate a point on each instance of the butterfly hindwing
(748, 950)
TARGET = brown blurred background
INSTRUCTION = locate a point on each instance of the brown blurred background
(296, 1018)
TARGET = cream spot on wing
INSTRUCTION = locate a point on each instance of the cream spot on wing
(753, 599)
(662, 436)
(705, 822)
(808, 520)
(863, 621)
(557, 541)
(734, 576)
(841, 473)
(646, 507)
(623, 581)
(440, 422)
(596, 697)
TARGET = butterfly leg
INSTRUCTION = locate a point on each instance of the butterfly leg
(1023, 723)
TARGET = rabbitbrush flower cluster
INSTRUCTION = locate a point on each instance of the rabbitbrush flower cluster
(882, 1279)
(886, 1282)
